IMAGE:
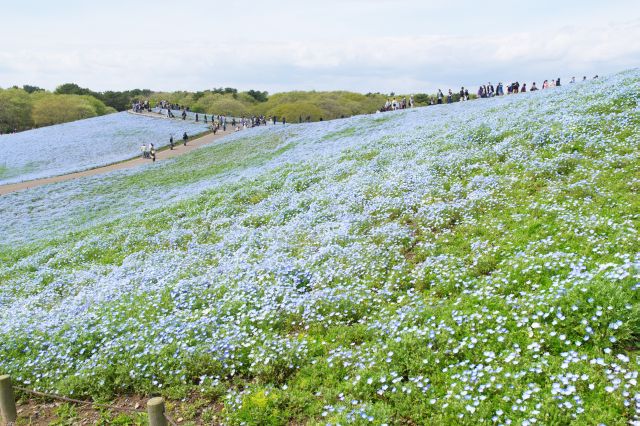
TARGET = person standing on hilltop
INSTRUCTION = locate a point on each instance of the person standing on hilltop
(440, 96)
(185, 138)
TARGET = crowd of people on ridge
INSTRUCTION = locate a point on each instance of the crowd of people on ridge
(139, 106)
(484, 91)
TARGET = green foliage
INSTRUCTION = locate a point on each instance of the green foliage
(32, 89)
(53, 109)
(220, 104)
(295, 110)
(22, 109)
(258, 95)
(71, 89)
(119, 101)
(15, 110)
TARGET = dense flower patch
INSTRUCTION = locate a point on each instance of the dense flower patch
(467, 263)
(83, 144)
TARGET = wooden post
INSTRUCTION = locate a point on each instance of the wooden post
(7, 400)
(155, 410)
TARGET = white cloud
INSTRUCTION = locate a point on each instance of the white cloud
(401, 63)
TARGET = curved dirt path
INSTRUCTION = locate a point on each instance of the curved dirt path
(163, 154)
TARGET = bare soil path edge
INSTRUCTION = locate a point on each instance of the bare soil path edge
(161, 154)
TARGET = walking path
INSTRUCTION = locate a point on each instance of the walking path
(163, 154)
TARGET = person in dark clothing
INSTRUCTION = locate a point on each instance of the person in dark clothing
(284, 121)
(558, 82)
(185, 138)
(197, 117)
(184, 115)
(171, 144)
(152, 152)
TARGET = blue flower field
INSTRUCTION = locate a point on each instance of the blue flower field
(474, 263)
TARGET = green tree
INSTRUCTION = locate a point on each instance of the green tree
(15, 110)
(72, 89)
(32, 89)
(53, 109)
(258, 95)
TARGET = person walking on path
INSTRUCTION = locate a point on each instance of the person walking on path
(153, 153)
(185, 138)
(143, 150)
(171, 144)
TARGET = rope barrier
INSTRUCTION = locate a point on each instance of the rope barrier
(170, 420)
(79, 401)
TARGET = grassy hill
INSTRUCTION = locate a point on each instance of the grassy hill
(445, 265)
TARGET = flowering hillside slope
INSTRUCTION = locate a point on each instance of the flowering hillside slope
(83, 144)
(451, 264)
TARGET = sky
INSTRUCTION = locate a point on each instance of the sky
(402, 46)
